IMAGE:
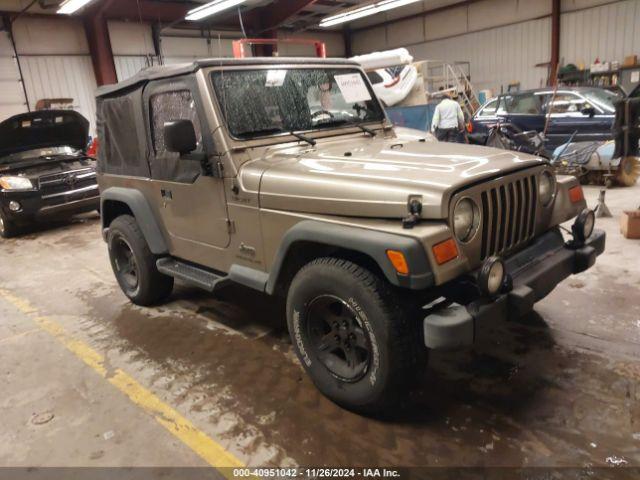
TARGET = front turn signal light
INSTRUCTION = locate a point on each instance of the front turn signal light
(398, 261)
(445, 251)
(576, 194)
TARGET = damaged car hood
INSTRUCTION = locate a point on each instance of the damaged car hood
(374, 177)
(43, 129)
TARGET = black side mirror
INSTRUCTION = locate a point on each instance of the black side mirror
(588, 111)
(180, 136)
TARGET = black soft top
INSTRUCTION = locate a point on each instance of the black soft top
(168, 71)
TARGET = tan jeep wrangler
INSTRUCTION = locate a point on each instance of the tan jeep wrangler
(284, 175)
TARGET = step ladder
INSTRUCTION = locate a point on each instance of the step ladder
(452, 77)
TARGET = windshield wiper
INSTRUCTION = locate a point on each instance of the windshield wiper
(366, 129)
(335, 123)
(304, 138)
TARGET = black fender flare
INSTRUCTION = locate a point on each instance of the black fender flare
(372, 243)
(142, 212)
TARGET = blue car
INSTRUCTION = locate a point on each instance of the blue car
(586, 111)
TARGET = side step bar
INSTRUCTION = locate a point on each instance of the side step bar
(196, 276)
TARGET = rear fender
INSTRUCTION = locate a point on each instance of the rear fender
(110, 201)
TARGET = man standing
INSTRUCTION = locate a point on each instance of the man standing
(448, 120)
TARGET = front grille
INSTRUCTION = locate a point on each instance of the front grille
(508, 213)
(60, 188)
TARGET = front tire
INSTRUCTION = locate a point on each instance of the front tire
(358, 344)
(8, 229)
(134, 265)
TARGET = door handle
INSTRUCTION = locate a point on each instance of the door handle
(166, 194)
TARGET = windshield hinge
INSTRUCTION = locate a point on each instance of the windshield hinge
(414, 206)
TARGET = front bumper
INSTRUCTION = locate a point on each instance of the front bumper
(35, 207)
(535, 272)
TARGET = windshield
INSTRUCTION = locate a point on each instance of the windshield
(39, 153)
(602, 98)
(258, 103)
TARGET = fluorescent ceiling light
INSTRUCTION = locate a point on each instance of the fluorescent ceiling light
(371, 9)
(211, 8)
(70, 6)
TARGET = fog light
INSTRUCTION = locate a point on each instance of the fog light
(14, 206)
(583, 226)
(491, 277)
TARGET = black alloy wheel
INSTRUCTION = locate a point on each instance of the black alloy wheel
(125, 262)
(338, 338)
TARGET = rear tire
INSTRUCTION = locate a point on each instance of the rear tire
(8, 229)
(134, 265)
(358, 344)
(628, 171)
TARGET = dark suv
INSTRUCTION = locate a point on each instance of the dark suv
(586, 111)
(44, 172)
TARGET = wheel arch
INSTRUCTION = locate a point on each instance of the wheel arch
(311, 239)
(116, 201)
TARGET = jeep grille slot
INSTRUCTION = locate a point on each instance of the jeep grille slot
(508, 215)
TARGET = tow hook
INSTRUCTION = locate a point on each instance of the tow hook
(414, 206)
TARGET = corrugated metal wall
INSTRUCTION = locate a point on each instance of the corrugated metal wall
(504, 39)
(61, 76)
(132, 47)
(128, 65)
(186, 49)
(12, 99)
(498, 56)
(609, 32)
(55, 61)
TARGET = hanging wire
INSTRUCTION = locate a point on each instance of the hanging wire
(22, 12)
(241, 22)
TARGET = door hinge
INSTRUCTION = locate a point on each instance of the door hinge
(219, 169)
(231, 226)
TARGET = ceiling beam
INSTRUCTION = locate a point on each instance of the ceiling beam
(149, 11)
(272, 16)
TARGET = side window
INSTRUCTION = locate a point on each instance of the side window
(527, 104)
(489, 109)
(165, 107)
(566, 103)
(374, 77)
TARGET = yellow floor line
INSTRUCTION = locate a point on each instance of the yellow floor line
(207, 448)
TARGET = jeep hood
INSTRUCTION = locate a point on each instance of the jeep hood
(374, 177)
(43, 129)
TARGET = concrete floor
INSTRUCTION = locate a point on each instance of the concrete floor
(560, 387)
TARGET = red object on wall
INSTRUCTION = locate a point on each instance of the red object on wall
(239, 46)
(92, 151)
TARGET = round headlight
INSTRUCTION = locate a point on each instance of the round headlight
(466, 218)
(584, 224)
(491, 277)
(546, 188)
